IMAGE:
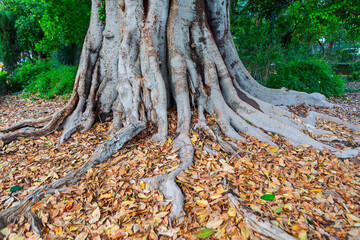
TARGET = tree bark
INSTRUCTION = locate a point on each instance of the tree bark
(152, 53)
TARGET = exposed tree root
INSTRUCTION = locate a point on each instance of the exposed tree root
(22, 211)
(258, 224)
(166, 182)
(31, 123)
(218, 18)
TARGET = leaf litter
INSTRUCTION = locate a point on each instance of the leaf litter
(308, 193)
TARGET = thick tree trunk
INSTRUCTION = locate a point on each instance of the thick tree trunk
(152, 52)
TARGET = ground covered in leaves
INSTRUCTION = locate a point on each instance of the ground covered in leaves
(301, 190)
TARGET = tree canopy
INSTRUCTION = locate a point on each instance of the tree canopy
(46, 25)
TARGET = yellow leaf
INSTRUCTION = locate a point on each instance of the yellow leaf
(288, 206)
(316, 190)
(73, 228)
(202, 203)
(220, 233)
(302, 235)
(232, 212)
(107, 195)
(127, 202)
(273, 149)
(245, 233)
(58, 230)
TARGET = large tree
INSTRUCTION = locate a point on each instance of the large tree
(147, 54)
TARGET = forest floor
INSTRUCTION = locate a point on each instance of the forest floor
(314, 191)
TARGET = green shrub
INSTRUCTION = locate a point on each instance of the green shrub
(307, 75)
(47, 78)
(27, 73)
(3, 85)
(59, 80)
(355, 71)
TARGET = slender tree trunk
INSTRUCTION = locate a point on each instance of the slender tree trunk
(154, 52)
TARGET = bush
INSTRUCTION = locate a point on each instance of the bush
(3, 87)
(355, 71)
(57, 81)
(26, 74)
(47, 78)
(307, 75)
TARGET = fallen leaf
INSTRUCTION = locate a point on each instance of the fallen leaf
(245, 233)
(202, 202)
(278, 210)
(81, 236)
(232, 212)
(161, 214)
(268, 197)
(204, 233)
(95, 215)
(302, 235)
(15, 188)
(214, 224)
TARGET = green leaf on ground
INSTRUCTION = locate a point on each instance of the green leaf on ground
(268, 197)
(278, 210)
(15, 188)
(204, 233)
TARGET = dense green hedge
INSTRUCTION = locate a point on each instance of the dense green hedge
(47, 78)
(307, 75)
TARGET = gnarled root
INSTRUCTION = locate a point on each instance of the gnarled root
(258, 224)
(22, 211)
(166, 182)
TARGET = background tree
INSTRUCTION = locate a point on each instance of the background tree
(268, 34)
(9, 48)
(45, 26)
(147, 54)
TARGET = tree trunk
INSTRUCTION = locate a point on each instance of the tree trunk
(150, 53)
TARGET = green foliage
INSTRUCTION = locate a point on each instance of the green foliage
(68, 55)
(257, 45)
(307, 75)
(9, 48)
(102, 12)
(44, 26)
(3, 85)
(27, 15)
(27, 73)
(355, 71)
(57, 81)
(63, 24)
(47, 78)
